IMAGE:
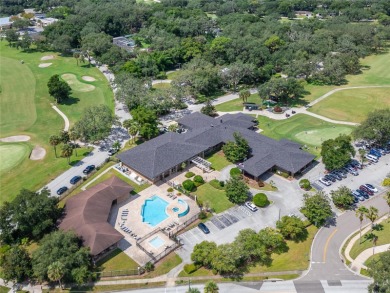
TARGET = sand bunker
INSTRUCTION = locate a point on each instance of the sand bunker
(77, 85)
(15, 138)
(48, 57)
(43, 65)
(38, 153)
(88, 78)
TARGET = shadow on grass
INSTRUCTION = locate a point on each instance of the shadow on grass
(75, 163)
(70, 101)
(378, 227)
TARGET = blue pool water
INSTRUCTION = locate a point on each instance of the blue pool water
(156, 242)
(153, 210)
(175, 209)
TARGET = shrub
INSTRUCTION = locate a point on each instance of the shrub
(190, 268)
(202, 215)
(261, 183)
(386, 182)
(188, 185)
(222, 183)
(170, 189)
(277, 109)
(305, 184)
(198, 180)
(235, 172)
(189, 174)
(149, 266)
(217, 184)
(260, 200)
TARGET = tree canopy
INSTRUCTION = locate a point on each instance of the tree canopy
(29, 215)
(236, 150)
(379, 270)
(316, 208)
(236, 190)
(95, 124)
(58, 89)
(376, 128)
(147, 121)
(337, 152)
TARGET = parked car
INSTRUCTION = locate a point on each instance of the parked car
(75, 179)
(324, 181)
(372, 158)
(341, 173)
(358, 195)
(337, 176)
(330, 178)
(355, 199)
(363, 193)
(375, 153)
(112, 152)
(204, 228)
(89, 169)
(353, 171)
(62, 190)
(365, 189)
(251, 206)
(371, 187)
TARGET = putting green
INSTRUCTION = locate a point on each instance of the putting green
(317, 136)
(77, 85)
(12, 154)
(17, 111)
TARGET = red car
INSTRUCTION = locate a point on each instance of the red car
(367, 190)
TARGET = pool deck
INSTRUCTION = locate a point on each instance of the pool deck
(133, 220)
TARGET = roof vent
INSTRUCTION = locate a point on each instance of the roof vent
(221, 120)
(211, 125)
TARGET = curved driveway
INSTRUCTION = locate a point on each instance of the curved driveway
(326, 263)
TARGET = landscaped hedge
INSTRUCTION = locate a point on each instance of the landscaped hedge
(260, 200)
(190, 268)
(277, 109)
(189, 174)
(261, 183)
(217, 184)
(170, 189)
(188, 185)
(198, 180)
(305, 184)
(235, 172)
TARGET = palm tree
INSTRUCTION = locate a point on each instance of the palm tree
(387, 199)
(73, 136)
(362, 153)
(244, 95)
(116, 145)
(56, 271)
(133, 130)
(374, 240)
(67, 151)
(54, 141)
(372, 215)
(211, 287)
(360, 213)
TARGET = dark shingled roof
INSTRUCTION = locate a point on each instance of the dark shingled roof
(168, 150)
(87, 214)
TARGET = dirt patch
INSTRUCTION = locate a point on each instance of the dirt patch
(38, 153)
(48, 57)
(88, 78)
(15, 138)
(43, 65)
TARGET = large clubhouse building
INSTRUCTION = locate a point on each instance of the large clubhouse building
(164, 155)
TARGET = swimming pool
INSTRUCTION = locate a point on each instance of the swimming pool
(156, 242)
(153, 210)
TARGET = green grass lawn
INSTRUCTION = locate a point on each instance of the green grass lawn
(117, 260)
(165, 265)
(297, 258)
(4, 289)
(372, 258)
(383, 234)
(217, 198)
(374, 72)
(173, 75)
(162, 85)
(12, 154)
(303, 129)
(218, 161)
(338, 106)
(25, 107)
(237, 104)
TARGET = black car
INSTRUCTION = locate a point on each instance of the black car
(337, 176)
(75, 179)
(204, 228)
(330, 178)
(89, 169)
(363, 193)
(62, 190)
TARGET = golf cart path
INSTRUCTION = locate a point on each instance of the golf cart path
(342, 89)
(66, 127)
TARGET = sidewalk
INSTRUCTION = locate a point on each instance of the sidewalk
(358, 263)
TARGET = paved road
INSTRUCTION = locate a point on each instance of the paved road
(273, 287)
(325, 256)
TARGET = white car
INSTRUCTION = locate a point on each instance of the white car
(251, 206)
(371, 187)
(324, 181)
